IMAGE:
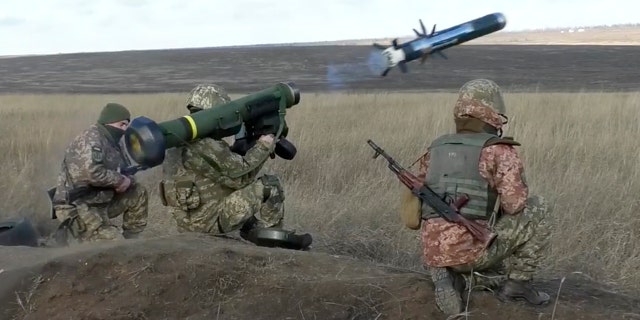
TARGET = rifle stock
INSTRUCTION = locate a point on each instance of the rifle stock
(448, 211)
(132, 170)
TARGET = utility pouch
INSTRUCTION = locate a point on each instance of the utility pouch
(68, 214)
(180, 192)
(270, 182)
(410, 213)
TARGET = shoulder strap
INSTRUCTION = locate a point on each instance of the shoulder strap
(474, 139)
(502, 140)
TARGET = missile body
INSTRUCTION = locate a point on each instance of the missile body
(384, 58)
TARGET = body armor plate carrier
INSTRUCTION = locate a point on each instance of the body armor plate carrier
(453, 171)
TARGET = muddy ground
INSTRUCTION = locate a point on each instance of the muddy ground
(201, 277)
(324, 68)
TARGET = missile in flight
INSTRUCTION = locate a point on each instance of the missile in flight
(384, 58)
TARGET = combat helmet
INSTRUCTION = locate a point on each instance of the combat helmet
(481, 99)
(205, 96)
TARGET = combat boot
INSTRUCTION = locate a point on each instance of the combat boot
(449, 287)
(487, 280)
(247, 227)
(518, 289)
(303, 242)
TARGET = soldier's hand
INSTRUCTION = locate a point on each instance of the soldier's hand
(268, 139)
(124, 185)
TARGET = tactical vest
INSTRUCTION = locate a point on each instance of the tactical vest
(453, 171)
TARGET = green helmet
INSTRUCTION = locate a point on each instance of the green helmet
(481, 99)
(205, 96)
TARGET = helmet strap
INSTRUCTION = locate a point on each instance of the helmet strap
(505, 124)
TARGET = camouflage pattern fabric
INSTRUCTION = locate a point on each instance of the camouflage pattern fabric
(206, 96)
(447, 244)
(172, 161)
(92, 223)
(449, 250)
(93, 159)
(522, 227)
(210, 189)
(481, 99)
(219, 202)
(236, 209)
(520, 245)
(203, 96)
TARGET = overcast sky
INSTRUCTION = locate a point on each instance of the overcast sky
(62, 26)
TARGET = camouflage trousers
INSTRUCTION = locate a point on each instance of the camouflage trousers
(516, 253)
(93, 222)
(262, 200)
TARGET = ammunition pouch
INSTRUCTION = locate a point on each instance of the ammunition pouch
(273, 190)
(410, 213)
(180, 192)
(71, 223)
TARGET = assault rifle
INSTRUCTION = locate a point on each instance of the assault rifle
(132, 170)
(448, 211)
(84, 190)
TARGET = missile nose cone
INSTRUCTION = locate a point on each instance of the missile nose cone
(501, 19)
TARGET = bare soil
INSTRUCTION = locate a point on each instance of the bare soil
(199, 277)
(324, 68)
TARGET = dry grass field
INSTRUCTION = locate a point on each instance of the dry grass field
(572, 105)
(528, 68)
(579, 149)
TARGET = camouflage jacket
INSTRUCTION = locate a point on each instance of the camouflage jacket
(215, 171)
(214, 160)
(446, 243)
(93, 159)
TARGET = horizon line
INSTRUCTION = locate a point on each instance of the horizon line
(544, 29)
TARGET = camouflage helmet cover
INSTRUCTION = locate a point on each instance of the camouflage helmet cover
(481, 99)
(205, 96)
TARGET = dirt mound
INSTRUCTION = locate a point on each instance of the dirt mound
(199, 277)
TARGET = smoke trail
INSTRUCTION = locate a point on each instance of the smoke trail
(341, 75)
(377, 62)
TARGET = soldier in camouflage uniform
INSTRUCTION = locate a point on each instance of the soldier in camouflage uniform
(479, 162)
(90, 188)
(210, 189)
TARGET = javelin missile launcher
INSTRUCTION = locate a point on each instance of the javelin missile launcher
(247, 118)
